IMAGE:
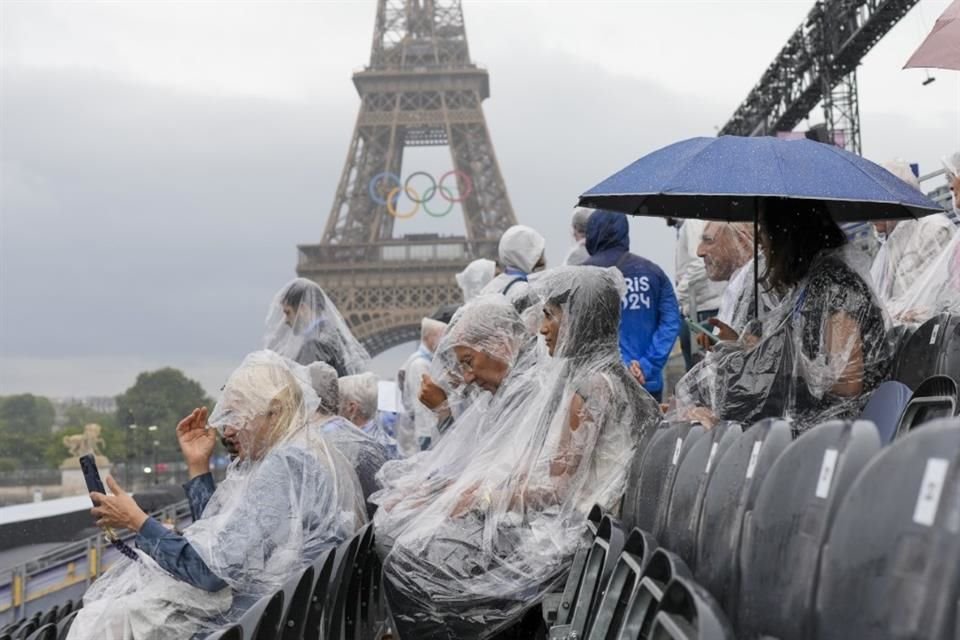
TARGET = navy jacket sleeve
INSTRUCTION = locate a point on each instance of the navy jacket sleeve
(173, 552)
(668, 328)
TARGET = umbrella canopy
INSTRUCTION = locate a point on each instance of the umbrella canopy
(941, 49)
(727, 178)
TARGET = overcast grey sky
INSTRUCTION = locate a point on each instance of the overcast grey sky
(159, 161)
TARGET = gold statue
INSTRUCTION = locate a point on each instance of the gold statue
(87, 442)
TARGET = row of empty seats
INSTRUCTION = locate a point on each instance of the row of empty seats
(52, 624)
(752, 534)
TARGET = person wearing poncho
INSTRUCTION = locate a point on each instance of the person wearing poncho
(304, 325)
(823, 349)
(488, 544)
(285, 499)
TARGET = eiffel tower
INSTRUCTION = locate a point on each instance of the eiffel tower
(420, 89)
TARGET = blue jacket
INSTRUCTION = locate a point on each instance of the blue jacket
(650, 319)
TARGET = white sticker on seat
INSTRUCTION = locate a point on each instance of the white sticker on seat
(754, 455)
(930, 489)
(827, 468)
(713, 452)
(934, 334)
(676, 452)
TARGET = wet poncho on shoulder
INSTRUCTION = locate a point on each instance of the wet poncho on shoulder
(934, 290)
(489, 324)
(285, 500)
(304, 325)
(795, 366)
(520, 251)
(487, 546)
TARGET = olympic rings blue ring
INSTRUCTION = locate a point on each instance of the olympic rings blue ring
(428, 198)
(372, 186)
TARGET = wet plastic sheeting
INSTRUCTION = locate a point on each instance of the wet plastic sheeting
(730, 497)
(891, 564)
(820, 354)
(643, 494)
(935, 291)
(690, 487)
(780, 551)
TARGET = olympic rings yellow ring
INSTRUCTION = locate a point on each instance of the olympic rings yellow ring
(392, 198)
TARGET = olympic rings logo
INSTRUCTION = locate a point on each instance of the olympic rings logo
(381, 183)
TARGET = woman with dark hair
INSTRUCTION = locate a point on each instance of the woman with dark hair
(304, 325)
(822, 351)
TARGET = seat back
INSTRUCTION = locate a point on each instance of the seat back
(297, 594)
(662, 569)
(730, 496)
(323, 569)
(660, 459)
(63, 627)
(65, 610)
(335, 615)
(623, 585)
(268, 628)
(783, 536)
(233, 632)
(571, 589)
(684, 440)
(688, 612)
(601, 559)
(923, 354)
(885, 408)
(51, 615)
(631, 495)
(693, 476)
(47, 631)
(936, 397)
(891, 563)
(357, 601)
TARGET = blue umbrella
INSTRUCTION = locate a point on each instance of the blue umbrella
(727, 178)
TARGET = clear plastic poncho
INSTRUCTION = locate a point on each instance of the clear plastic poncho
(935, 290)
(475, 277)
(520, 251)
(486, 546)
(818, 356)
(489, 324)
(304, 325)
(285, 499)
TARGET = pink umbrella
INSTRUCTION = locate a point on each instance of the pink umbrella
(941, 49)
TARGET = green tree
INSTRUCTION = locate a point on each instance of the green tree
(158, 398)
(26, 422)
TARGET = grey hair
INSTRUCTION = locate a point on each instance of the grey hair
(323, 379)
(362, 389)
(581, 215)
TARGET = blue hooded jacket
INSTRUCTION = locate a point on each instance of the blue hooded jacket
(650, 315)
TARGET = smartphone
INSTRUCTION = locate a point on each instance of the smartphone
(696, 328)
(91, 475)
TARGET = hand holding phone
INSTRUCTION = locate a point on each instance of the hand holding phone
(91, 475)
(697, 328)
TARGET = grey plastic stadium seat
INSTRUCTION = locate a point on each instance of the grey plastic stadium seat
(664, 567)
(780, 551)
(262, 620)
(623, 585)
(684, 440)
(688, 612)
(936, 397)
(47, 631)
(689, 488)
(931, 350)
(233, 632)
(357, 599)
(885, 408)
(337, 602)
(296, 595)
(891, 564)
(63, 627)
(657, 470)
(602, 558)
(324, 569)
(557, 606)
(730, 497)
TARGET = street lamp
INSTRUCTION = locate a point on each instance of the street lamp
(153, 429)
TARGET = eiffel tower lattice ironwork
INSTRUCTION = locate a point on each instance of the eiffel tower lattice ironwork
(420, 89)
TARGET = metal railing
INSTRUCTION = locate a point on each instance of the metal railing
(67, 571)
(439, 250)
